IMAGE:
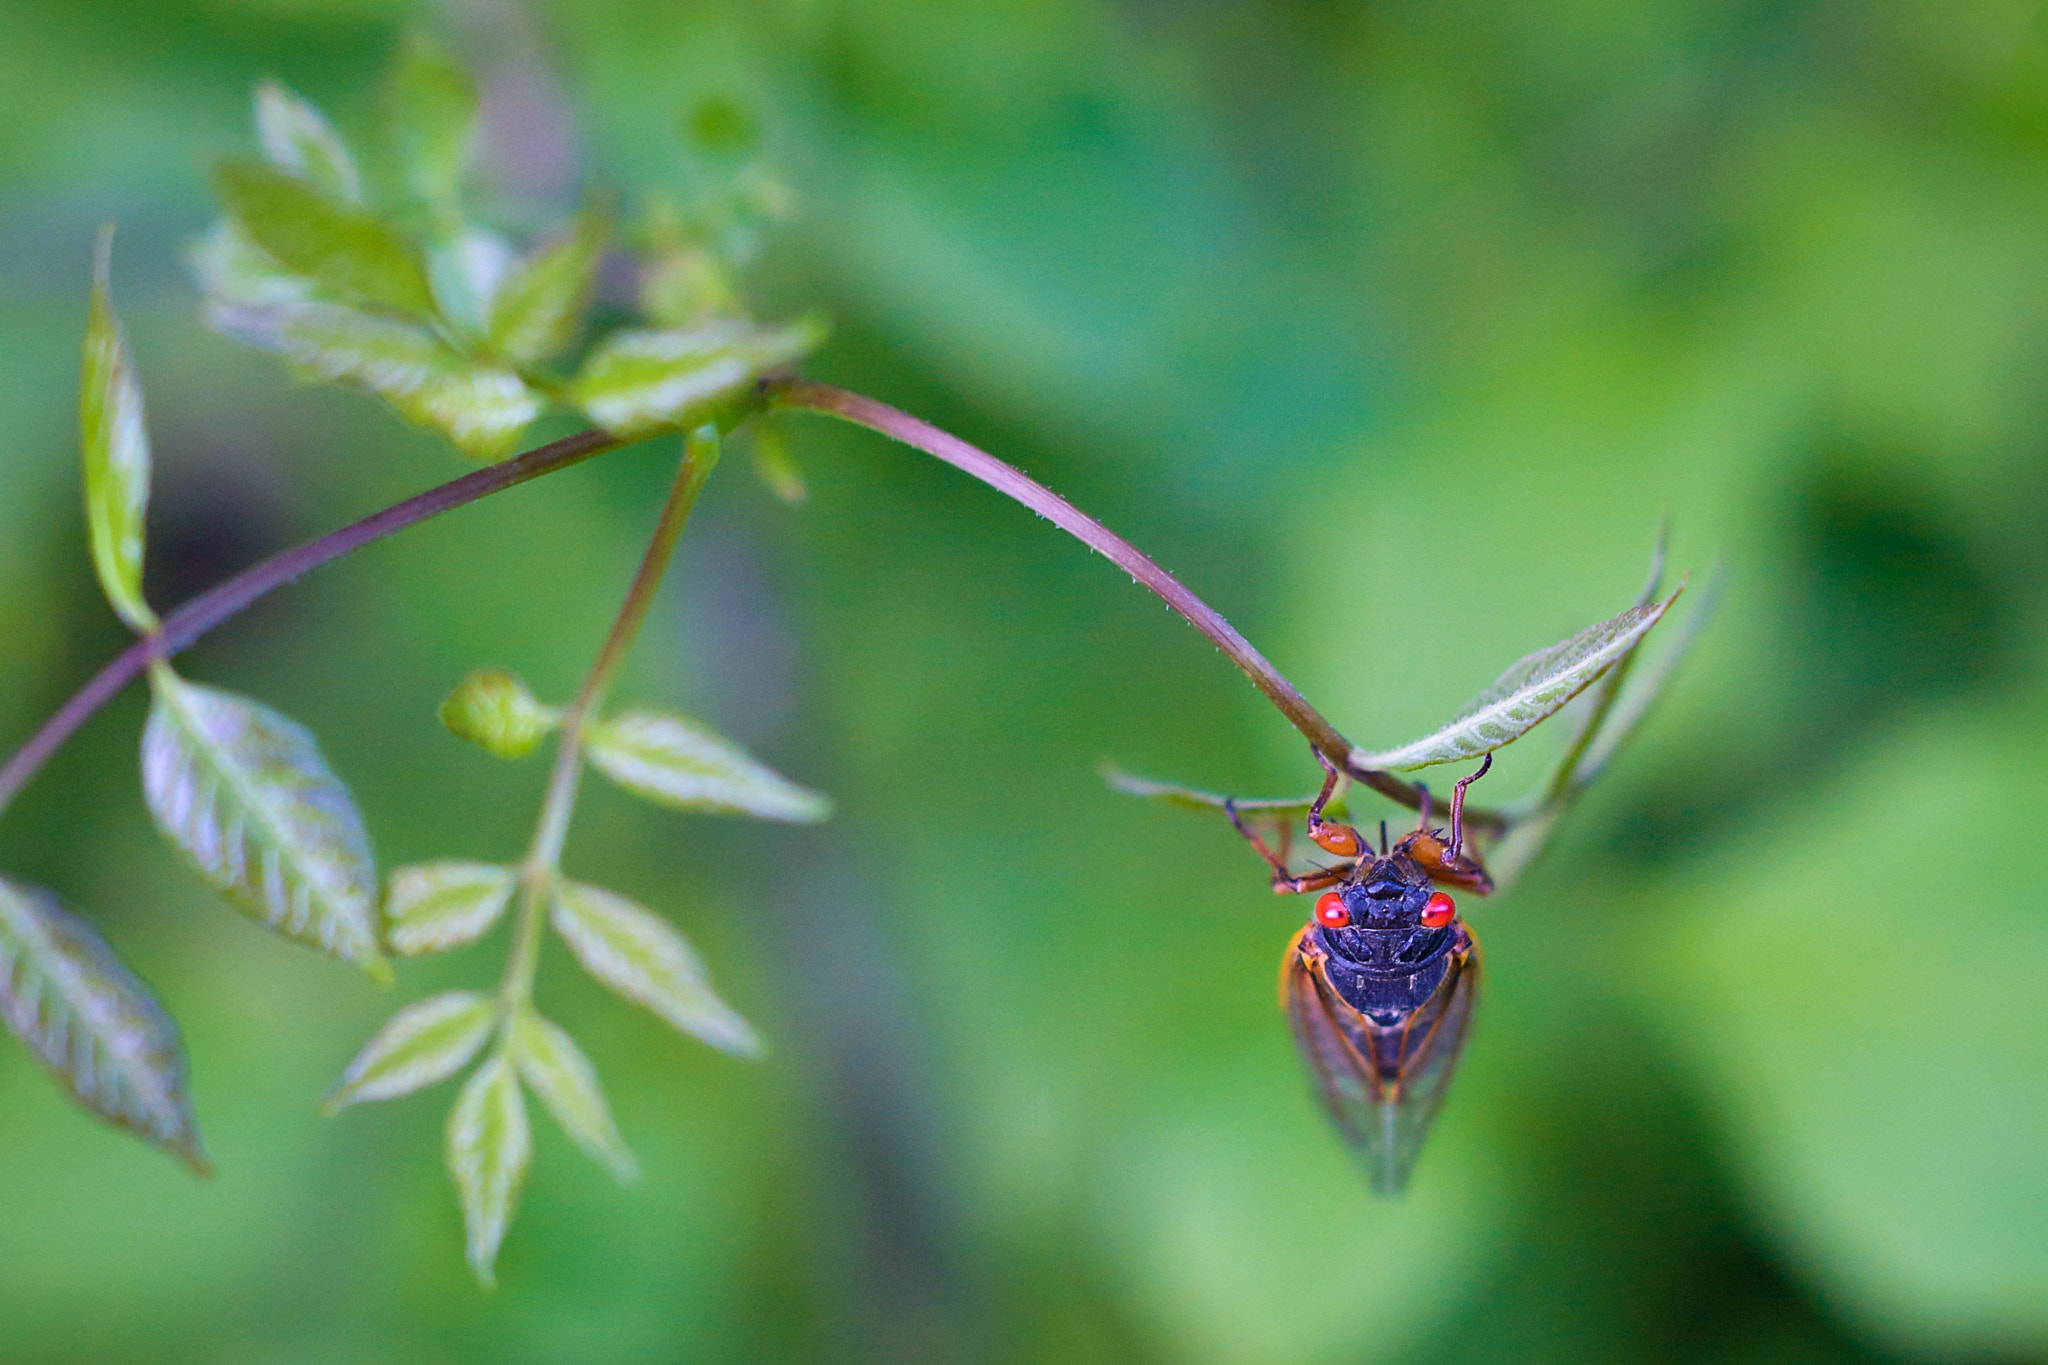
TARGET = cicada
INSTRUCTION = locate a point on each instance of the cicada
(1380, 983)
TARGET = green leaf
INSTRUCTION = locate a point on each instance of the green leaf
(678, 763)
(1189, 798)
(244, 794)
(91, 1024)
(1532, 690)
(432, 106)
(466, 271)
(493, 710)
(297, 137)
(342, 246)
(432, 907)
(539, 308)
(646, 959)
(1647, 684)
(489, 1145)
(775, 464)
(114, 444)
(230, 268)
(567, 1083)
(427, 1041)
(481, 408)
(636, 383)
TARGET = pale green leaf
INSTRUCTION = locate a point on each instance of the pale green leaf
(95, 1027)
(1533, 689)
(638, 382)
(432, 907)
(427, 1041)
(481, 408)
(231, 269)
(432, 106)
(341, 245)
(776, 465)
(567, 1083)
(489, 1145)
(114, 445)
(297, 137)
(243, 792)
(1647, 684)
(539, 309)
(646, 959)
(1190, 798)
(677, 762)
(493, 710)
(466, 272)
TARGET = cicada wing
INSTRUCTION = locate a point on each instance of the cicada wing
(1382, 1086)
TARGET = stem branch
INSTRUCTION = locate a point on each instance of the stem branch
(203, 613)
(544, 858)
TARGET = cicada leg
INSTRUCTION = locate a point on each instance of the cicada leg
(1285, 883)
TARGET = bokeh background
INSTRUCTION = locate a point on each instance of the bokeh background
(1394, 328)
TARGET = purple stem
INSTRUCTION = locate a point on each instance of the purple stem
(184, 626)
(802, 395)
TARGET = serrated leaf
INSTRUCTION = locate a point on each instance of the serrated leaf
(636, 382)
(340, 245)
(646, 959)
(678, 763)
(432, 907)
(493, 710)
(297, 137)
(1533, 689)
(566, 1082)
(92, 1024)
(427, 1041)
(489, 1145)
(432, 106)
(539, 308)
(243, 792)
(229, 268)
(114, 446)
(481, 408)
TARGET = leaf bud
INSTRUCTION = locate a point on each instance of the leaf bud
(493, 710)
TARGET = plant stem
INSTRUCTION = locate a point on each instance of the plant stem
(218, 605)
(800, 395)
(537, 874)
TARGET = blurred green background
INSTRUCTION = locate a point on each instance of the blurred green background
(1394, 329)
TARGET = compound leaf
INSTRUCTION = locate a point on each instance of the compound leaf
(1532, 690)
(489, 1145)
(636, 383)
(114, 445)
(297, 137)
(91, 1024)
(427, 1041)
(538, 309)
(677, 762)
(243, 792)
(481, 408)
(341, 245)
(646, 959)
(566, 1082)
(432, 907)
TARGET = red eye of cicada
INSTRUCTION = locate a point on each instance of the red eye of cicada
(1438, 911)
(1331, 911)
